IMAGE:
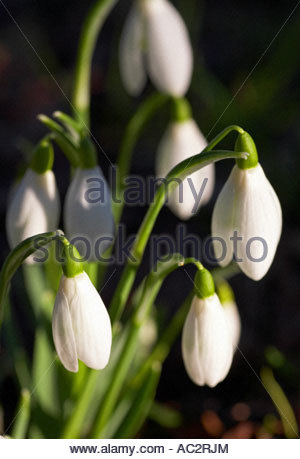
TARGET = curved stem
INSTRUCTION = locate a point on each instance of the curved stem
(178, 173)
(151, 288)
(222, 135)
(19, 254)
(90, 31)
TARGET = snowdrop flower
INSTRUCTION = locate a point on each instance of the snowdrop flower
(155, 41)
(206, 340)
(226, 296)
(35, 206)
(88, 211)
(81, 325)
(247, 216)
(181, 140)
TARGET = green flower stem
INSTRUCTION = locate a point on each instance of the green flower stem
(181, 171)
(22, 417)
(92, 393)
(151, 288)
(134, 129)
(90, 31)
(162, 348)
(283, 406)
(219, 273)
(142, 116)
(222, 135)
(15, 348)
(74, 423)
(18, 255)
(141, 405)
(63, 139)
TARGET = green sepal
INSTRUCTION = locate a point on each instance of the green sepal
(87, 153)
(245, 143)
(204, 284)
(43, 157)
(71, 264)
(181, 110)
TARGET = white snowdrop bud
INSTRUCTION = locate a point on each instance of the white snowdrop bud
(182, 140)
(81, 325)
(247, 218)
(155, 38)
(88, 213)
(35, 205)
(206, 341)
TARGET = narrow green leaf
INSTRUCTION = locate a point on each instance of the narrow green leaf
(22, 416)
(281, 403)
(141, 404)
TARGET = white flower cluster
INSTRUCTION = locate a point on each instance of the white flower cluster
(155, 42)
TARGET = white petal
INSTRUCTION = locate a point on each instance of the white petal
(131, 53)
(34, 208)
(206, 342)
(88, 213)
(257, 215)
(233, 321)
(181, 141)
(169, 52)
(222, 221)
(62, 329)
(90, 321)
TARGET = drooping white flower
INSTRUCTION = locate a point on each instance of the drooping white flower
(155, 28)
(88, 212)
(131, 53)
(249, 206)
(182, 140)
(34, 207)
(81, 325)
(206, 342)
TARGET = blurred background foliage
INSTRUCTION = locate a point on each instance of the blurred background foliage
(238, 79)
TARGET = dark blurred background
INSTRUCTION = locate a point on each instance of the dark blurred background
(234, 82)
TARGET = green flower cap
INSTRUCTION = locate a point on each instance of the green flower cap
(204, 284)
(87, 153)
(43, 157)
(245, 143)
(72, 266)
(181, 110)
